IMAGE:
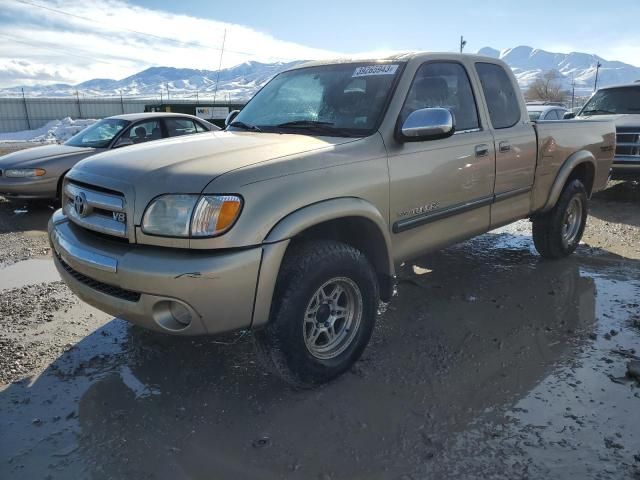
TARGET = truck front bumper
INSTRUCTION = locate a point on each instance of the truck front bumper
(625, 167)
(175, 291)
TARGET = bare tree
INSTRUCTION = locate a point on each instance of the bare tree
(547, 88)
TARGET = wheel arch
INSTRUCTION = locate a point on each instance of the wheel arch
(350, 220)
(579, 165)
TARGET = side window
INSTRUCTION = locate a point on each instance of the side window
(200, 128)
(145, 131)
(502, 101)
(179, 126)
(447, 85)
(552, 115)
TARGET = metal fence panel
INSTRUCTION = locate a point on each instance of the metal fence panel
(18, 114)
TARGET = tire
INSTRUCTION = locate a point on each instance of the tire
(557, 233)
(57, 202)
(303, 309)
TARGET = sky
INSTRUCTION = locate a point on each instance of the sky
(68, 41)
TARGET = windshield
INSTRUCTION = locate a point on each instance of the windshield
(613, 100)
(98, 135)
(534, 115)
(344, 99)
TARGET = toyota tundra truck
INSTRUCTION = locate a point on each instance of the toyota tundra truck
(293, 221)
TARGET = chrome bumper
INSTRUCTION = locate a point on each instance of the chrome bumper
(146, 285)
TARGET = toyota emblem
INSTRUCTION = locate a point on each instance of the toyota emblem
(80, 204)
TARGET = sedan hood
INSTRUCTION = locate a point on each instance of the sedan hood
(188, 164)
(33, 157)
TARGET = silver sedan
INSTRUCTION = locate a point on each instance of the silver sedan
(37, 173)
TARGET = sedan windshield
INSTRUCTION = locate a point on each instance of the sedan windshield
(343, 99)
(98, 135)
(613, 101)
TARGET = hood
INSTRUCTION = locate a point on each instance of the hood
(621, 120)
(188, 164)
(32, 156)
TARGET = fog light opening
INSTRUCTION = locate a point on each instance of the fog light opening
(172, 315)
(180, 313)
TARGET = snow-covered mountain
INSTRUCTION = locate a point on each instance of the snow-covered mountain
(530, 63)
(241, 82)
(236, 83)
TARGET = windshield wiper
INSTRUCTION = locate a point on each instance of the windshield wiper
(305, 123)
(599, 110)
(245, 126)
(312, 125)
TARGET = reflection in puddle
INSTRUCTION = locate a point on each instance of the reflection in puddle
(139, 389)
(28, 272)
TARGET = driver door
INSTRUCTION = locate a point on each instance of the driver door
(441, 190)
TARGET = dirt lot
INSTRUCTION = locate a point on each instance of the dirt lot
(490, 363)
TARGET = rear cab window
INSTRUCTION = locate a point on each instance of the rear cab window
(502, 100)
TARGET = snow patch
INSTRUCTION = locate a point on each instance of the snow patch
(55, 131)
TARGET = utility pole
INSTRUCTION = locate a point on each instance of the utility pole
(167, 85)
(595, 86)
(121, 102)
(79, 109)
(573, 89)
(463, 42)
(215, 90)
(26, 110)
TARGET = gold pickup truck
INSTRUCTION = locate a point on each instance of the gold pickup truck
(292, 221)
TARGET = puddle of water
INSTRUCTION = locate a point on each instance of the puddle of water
(29, 272)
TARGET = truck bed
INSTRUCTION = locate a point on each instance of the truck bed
(558, 140)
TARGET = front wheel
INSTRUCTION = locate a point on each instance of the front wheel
(557, 233)
(324, 311)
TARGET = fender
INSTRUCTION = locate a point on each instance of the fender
(575, 159)
(277, 240)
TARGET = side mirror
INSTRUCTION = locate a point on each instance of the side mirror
(569, 115)
(123, 142)
(427, 124)
(232, 114)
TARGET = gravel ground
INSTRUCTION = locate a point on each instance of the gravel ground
(490, 363)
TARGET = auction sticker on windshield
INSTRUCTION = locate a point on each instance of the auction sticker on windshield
(375, 70)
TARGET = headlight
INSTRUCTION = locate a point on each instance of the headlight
(24, 172)
(191, 215)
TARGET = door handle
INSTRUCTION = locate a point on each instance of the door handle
(505, 146)
(482, 150)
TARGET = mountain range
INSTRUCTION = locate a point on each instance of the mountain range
(242, 81)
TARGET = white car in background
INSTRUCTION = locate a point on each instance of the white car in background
(546, 112)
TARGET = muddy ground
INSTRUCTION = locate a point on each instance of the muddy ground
(490, 363)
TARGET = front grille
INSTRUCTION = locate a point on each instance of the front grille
(105, 288)
(628, 142)
(96, 208)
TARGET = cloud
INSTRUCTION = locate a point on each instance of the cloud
(27, 73)
(114, 39)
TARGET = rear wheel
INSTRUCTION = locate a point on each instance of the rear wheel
(324, 311)
(558, 232)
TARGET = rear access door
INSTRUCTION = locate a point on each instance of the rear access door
(514, 140)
